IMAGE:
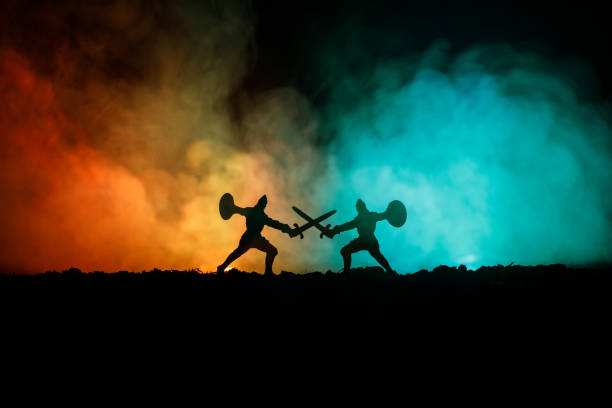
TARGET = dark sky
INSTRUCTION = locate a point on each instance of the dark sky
(288, 32)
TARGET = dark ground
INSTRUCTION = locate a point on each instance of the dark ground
(546, 294)
(503, 320)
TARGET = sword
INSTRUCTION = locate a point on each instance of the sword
(299, 230)
(324, 230)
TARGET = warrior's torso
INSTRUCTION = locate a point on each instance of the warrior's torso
(366, 224)
(255, 221)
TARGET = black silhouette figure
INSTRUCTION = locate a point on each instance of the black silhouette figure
(255, 221)
(365, 222)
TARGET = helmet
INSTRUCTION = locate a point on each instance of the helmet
(360, 205)
(263, 201)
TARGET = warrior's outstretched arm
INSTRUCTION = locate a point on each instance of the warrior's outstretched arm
(277, 225)
(345, 227)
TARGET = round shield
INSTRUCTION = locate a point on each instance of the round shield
(396, 213)
(226, 206)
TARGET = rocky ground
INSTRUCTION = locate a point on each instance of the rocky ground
(550, 314)
(487, 291)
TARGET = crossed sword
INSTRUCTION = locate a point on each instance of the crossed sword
(312, 222)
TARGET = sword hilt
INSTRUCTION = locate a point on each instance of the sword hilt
(327, 233)
(297, 231)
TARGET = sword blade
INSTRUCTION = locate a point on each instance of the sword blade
(308, 218)
(315, 221)
(303, 214)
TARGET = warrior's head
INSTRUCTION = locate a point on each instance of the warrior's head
(261, 204)
(360, 206)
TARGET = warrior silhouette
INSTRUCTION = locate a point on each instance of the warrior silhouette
(365, 222)
(255, 221)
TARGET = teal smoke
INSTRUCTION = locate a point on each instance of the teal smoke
(499, 156)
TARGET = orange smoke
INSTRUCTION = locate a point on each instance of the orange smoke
(63, 203)
(69, 203)
(122, 124)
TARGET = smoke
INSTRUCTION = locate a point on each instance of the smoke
(120, 135)
(494, 151)
(125, 122)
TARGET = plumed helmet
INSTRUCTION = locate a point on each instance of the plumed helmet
(263, 201)
(360, 205)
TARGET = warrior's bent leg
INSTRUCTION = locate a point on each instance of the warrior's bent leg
(346, 252)
(381, 259)
(270, 255)
(237, 253)
(263, 245)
